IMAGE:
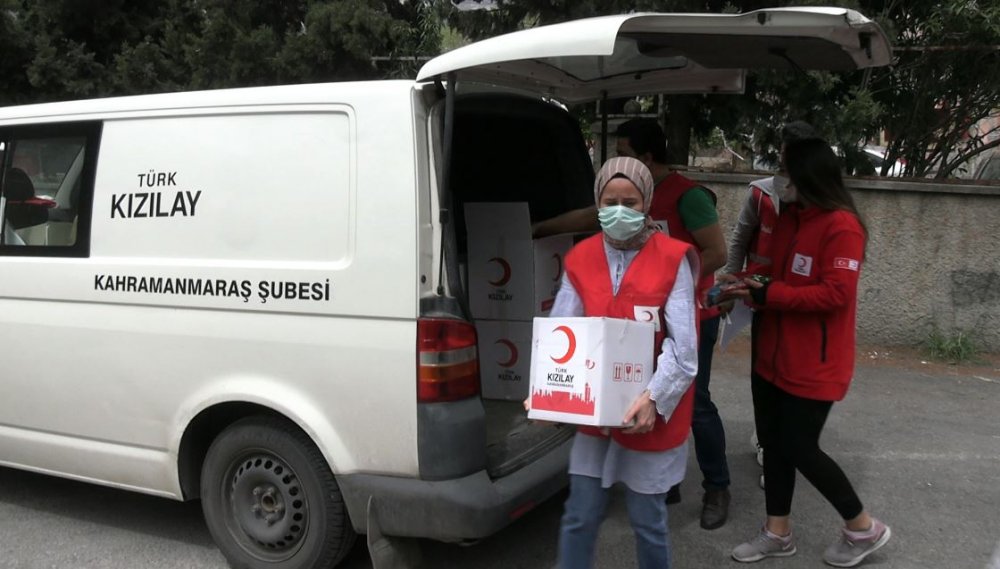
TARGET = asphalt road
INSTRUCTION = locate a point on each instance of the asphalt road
(920, 442)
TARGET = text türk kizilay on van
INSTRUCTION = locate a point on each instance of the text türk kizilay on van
(155, 203)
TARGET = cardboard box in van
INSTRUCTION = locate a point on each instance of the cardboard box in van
(504, 358)
(511, 275)
(588, 371)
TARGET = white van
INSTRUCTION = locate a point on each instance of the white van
(252, 296)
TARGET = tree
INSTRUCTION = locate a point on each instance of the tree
(942, 85)
(15, 47)
(349, 39)
(76, 45)
(70, 49)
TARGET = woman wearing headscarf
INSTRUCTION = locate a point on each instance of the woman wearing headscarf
(630, 266)
(805, 353)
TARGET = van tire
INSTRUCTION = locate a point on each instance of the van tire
(270, 499)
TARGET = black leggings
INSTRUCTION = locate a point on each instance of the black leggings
(788, 428)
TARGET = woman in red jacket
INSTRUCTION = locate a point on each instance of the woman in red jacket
(805, 353)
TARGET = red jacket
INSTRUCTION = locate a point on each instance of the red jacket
(666, 207)
(647, 282)
(805, 337)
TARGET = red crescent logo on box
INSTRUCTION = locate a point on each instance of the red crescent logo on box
(591, 364)
(647, 316)
(559, 266)
(505, 278)
(572, 345)
(512, 350)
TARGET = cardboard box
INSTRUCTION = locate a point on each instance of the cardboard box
(504, 359)
(588, 371)
(511, 275)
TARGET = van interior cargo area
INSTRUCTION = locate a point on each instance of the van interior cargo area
(510, 148)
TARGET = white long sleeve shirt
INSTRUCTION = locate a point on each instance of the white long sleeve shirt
(676, 367)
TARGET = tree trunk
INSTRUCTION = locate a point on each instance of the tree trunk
(679, 115)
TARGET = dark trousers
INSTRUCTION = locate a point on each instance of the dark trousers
(706, 424)
(788, 428)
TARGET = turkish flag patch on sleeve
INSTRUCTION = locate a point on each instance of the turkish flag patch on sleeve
(845, 263)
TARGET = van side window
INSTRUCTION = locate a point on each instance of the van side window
(47, 182)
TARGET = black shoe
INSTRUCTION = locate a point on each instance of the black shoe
(715, 508)
(674, 495)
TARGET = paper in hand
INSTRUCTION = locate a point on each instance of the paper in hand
(734, 323)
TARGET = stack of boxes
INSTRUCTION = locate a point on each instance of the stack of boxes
(586, 371)
(511, 279)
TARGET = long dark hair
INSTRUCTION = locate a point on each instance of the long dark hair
(815, 171)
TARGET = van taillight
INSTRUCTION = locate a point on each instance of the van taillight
(448, 366)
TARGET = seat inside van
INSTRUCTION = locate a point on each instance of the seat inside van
(24, 211)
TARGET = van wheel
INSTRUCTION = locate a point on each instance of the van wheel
(270, 499)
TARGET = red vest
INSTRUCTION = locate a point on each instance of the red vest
(759, 249)
(665, 206)
(647, 282)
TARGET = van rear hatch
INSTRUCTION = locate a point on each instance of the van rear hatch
(635, 54)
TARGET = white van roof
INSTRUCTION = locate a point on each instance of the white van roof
(190, 101)
(621, 56)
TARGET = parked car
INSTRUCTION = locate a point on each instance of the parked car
(876, 155)
(989, 168)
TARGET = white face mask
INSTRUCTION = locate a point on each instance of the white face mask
(784, 189)
(621, 222)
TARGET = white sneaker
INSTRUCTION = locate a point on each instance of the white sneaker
(764, 544)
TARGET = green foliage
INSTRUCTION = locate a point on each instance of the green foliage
(451, 38)
(956, 348)
(837, 104)
(88, 48)
(16, 50)
(943, 83)
(69, 49)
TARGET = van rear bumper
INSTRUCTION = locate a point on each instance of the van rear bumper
(471, 507)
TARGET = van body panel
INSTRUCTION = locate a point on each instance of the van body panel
(114, 379)
(266, 289)
(302, 177)
(254, 237)
(621, 56)
(145, 470)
